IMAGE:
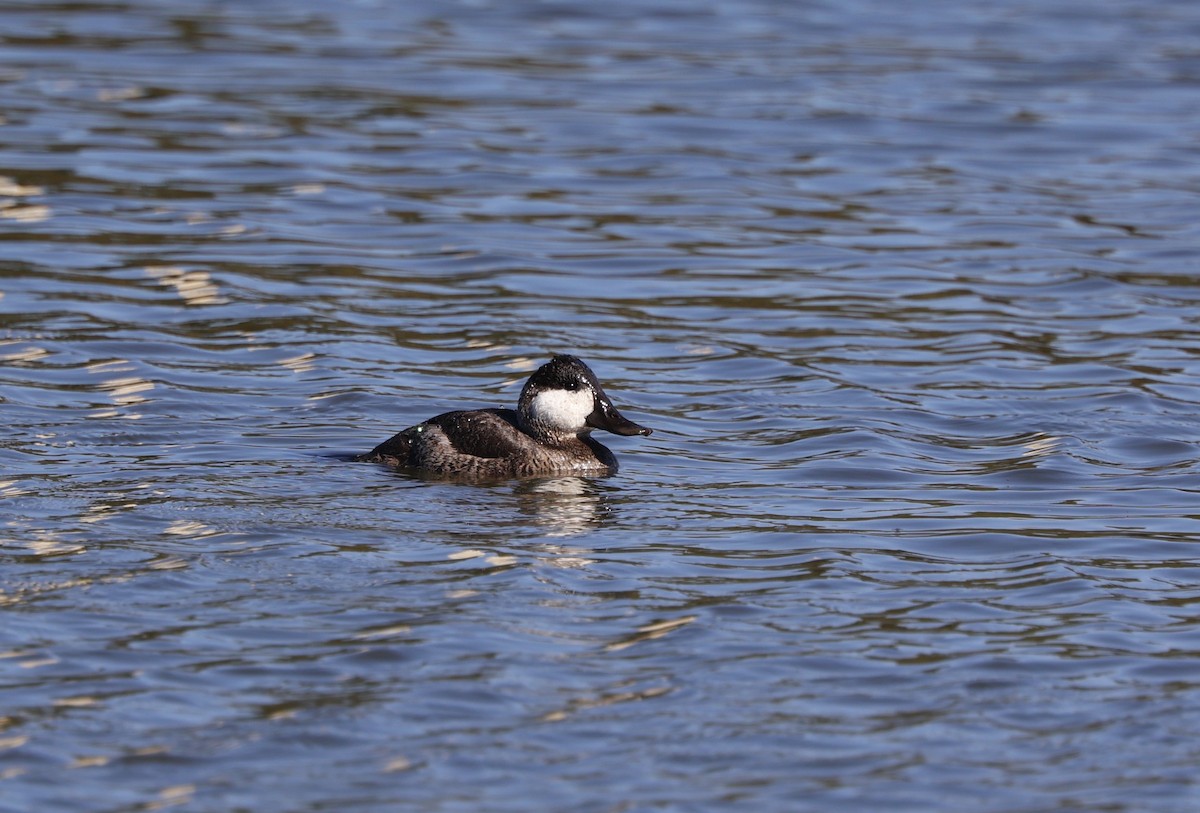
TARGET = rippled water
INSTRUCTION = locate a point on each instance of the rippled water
(908, 293)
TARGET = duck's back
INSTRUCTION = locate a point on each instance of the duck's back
(487, 434)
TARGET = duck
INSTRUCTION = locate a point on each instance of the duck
(548, 433)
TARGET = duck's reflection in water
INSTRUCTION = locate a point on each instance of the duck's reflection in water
(563, 506)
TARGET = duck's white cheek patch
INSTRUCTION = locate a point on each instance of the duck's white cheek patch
(562, 409)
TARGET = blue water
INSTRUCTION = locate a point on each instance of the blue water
(907, 294)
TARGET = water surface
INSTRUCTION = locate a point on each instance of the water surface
(908, 294)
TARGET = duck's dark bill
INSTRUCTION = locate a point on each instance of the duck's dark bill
(606, 417)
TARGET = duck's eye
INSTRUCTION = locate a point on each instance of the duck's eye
(573, 386)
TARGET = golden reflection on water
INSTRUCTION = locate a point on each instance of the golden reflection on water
(650, 631)
(194, 287)
(302, 363)
(24, 355)
(10, 209)
(26, 214)
(10, 188)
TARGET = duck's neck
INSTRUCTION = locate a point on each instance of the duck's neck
(552, 436)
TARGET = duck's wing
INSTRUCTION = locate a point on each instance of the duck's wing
(489, 433)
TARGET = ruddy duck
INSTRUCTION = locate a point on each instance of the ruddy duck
(548, 433)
